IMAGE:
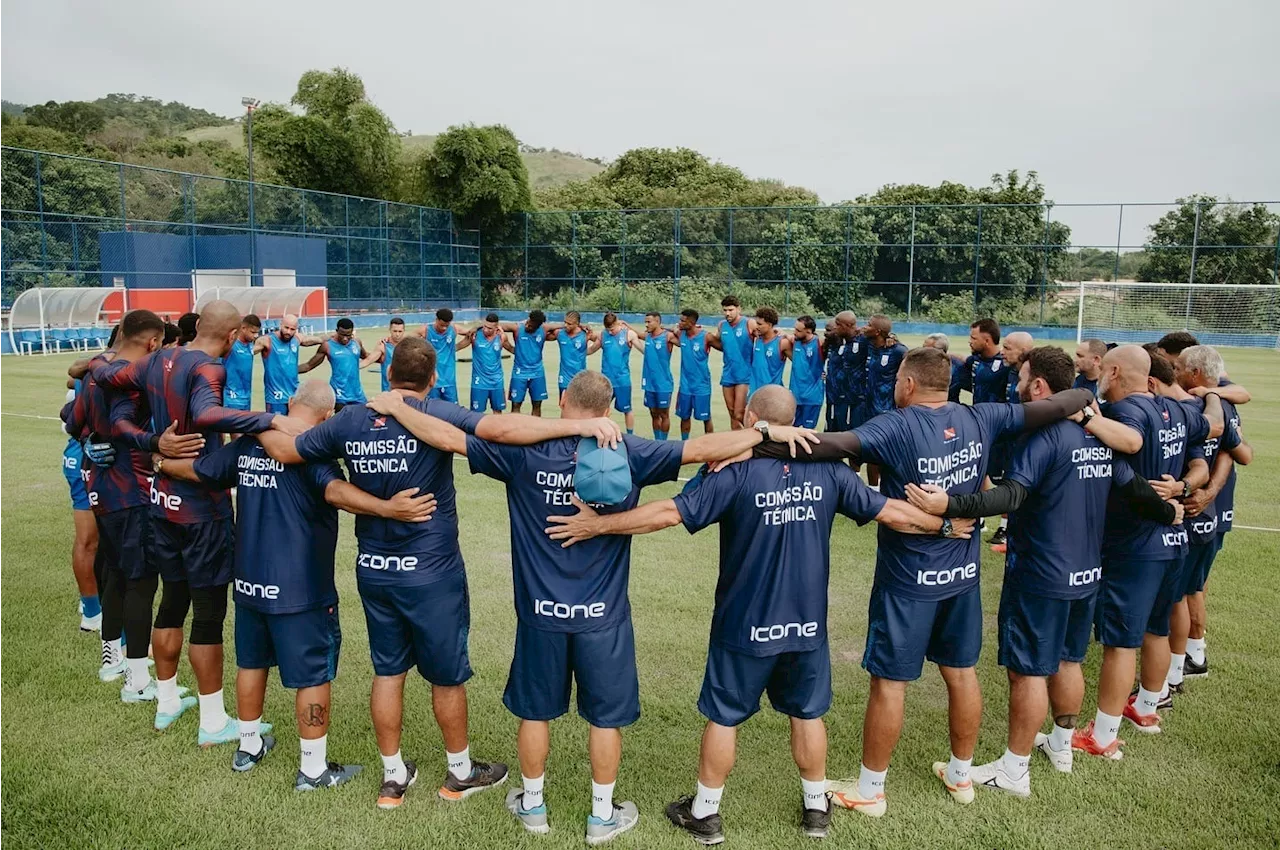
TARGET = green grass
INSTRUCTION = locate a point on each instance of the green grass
(85, 770)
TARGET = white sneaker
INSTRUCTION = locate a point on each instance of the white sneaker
(992, 775)
(844, 792)
(91, 624)
(1060, 759)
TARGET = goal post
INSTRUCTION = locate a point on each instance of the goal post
(1218, 314)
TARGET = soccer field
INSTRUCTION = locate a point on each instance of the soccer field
(85, 770)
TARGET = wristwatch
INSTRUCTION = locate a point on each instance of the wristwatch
(1186, 488)
(763, 428)
(946, 529)
(157, 463)
(1088, 415)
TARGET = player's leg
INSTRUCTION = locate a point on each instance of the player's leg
(537, 691)
(1123, 605)
(111, 587)
(1194, 663)
(519, 388)
(391, 651)
(684, 412)
(800, 687)
(954, 645)
(209, 559)
(702, 412)
(622, 404)
(131, 539)
(538, 394)
(604, 667)
(251, 696)
(1066, 687)
(496, 400)
(83, 552)
(479, 398)
(664, 403)
(1154, 655)
(735, 399)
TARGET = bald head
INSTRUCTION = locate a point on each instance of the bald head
(846, 323)
(1125, 370)
(773, 404)
(217, 319)
(313, 402)
(288, 326)
(1015, 347)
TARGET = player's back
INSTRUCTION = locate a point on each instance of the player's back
(96, 410)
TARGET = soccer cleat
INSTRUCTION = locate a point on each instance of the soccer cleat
(243, 762)
(1082, 741)
(844, 792)
(535, 819)
(165, 719)
(228, 733)
(1165, 703)
(707, 831)
(1148, 724)
(1192, 670)
(625, 816)
(334, 774)
(993, 776)
(483, 775)
(391, 794)
(999, 541)
(147, 694)
(962, 793)
(111, 671)
(91, 624)
(1060, 759)
(816, 823)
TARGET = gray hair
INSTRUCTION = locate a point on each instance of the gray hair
(590, 392)
(316, 394)
(1204, 359)
(939, 341)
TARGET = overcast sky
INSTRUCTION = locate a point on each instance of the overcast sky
(1109, 100)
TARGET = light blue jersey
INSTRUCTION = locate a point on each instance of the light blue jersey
(695, 371)
(615, 357)
(486, 362)
(280, 369)
(766, 363)
(344, 366)
(528, 357)
(446, 346)
(735, 340)
(388, 351)
(239, 386)
(573, 355)
(655, 376)
(806, 372)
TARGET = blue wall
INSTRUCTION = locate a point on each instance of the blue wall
(165, 260)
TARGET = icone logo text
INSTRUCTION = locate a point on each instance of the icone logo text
(392, 563)
(1080, 578)
(251, 589)
(564, 611)
(939, 578)
(781, 631)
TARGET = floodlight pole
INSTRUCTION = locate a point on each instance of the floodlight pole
(250, 104)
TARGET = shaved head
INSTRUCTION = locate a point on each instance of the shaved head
(1125, 370)
(217, 319)
(773, 404)
(588, 395)
(1016, 345)
(313, 401)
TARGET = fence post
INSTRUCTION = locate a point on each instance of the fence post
(1080, 316)
(728, 250)
(622, 274)
(1044, 276)
(786, 295)
(526, 257)
(422, 258)
(44, 251)
(977, 254)
(189, 208)
(848, 238)
(1115, 275)
(911, 264)
(1275, 271)
(1191, 278)
(573, 237)
(346, 229)
(675, 254)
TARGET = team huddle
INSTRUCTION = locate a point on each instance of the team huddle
(1145, 473)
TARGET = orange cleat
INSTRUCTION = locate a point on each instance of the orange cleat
(1082, 741)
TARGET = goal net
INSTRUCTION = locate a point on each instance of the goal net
(1218, 314)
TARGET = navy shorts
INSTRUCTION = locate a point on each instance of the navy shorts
(535, 388)
(657, 400)
(903, 632)
(622, 398)
(807, 415)
(73, 468)
(444, 393)
(1172, 588)
(798, 684)
(839, 418)
(200, 553)
(126, 542)
(304, 644)
(602, 663)
(490, 398)
(693, 406)
(282, 408)
(859, 412)
(1126, 600)
(1037, 632)
(241, 403)
(422, 625)
(1199, 561)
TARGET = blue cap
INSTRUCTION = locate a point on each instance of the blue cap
(603, 475)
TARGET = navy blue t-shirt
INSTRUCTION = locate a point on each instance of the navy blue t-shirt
(775, 547)
(948, 446)
(1083, 383)
(582, 588)
(1168, 430)
(286, 532)
(1055, 538)
(985, 378)
(1225, 504)
(1203, 528)
(383, 458)
(882, 373)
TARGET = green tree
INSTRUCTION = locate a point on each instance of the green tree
(74, 117)
(1234, 243)
(476, 172)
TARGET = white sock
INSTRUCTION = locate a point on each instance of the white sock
(213, 714)
(1004, 526)
(958, 770)
(250, 736)
(1106, 728)
(1175, 669)
(315, 755)
(167, 700)
(1060, 739)
(1147, 701)
(532, 792)
(1195, 648)
(870, 783)
(1015, 766)
(113, 650)
(707, 801)
(815, 793)
(602, 800)
(460, 763)
(137, 675)
(393, 768)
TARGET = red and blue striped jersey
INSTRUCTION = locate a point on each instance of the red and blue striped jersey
(184, 385)
(121, 416)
